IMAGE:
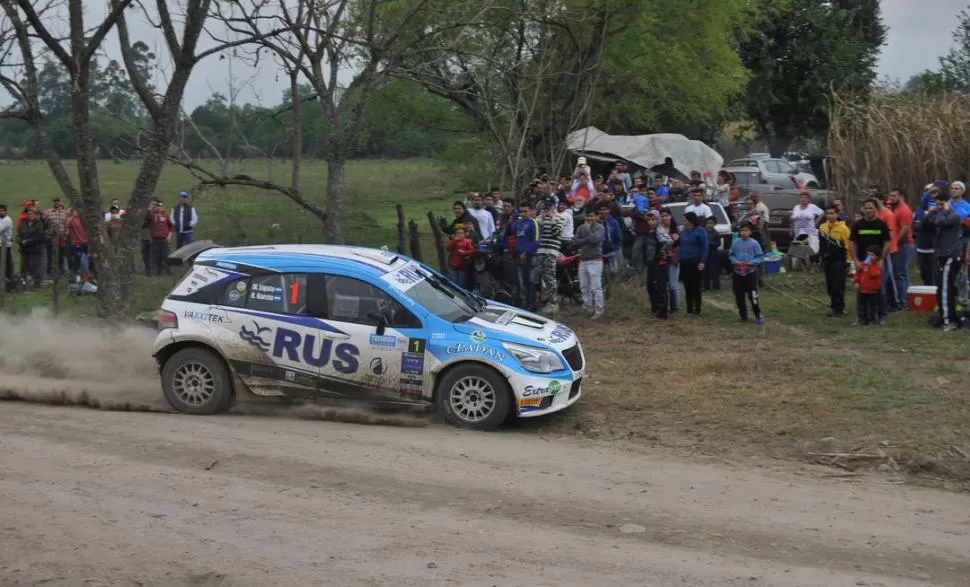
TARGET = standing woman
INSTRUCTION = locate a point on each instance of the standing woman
(668, 225)
(804, 225)
(693, 256)
(722, 189)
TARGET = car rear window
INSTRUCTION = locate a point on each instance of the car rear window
(746, 178)
(678, 213)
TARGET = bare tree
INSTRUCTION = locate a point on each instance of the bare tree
(363, 40)
(182, 33)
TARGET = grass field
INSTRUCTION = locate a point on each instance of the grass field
(802, 386)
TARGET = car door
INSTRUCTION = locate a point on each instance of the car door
(385, 355)
(270, 338)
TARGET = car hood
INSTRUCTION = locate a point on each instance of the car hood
(509, 324)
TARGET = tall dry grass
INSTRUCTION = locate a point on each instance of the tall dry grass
(897, 140)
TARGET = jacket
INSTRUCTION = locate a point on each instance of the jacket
(946, 232)
(459, 221)
(32, 235)
(550, 235)
(869, 278)
(746, 255)
(658, 244)
(693, 245)
(158, 223)
(613, 239)
(589, 239)
(75, 231)
(184, 218)
(506, 241)
(526, 236)
(833, 242)
(459, 249)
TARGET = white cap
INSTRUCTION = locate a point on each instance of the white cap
(959, 184)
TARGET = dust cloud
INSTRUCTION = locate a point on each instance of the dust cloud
(63, 361)
(60, 361)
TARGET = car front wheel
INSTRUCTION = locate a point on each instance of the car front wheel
(196, 381)
(474, 396)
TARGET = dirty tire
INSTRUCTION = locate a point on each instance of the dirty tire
(474, 396)
(196, 381)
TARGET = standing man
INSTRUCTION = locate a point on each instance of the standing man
(834, 238)
(947, 232)
(55, 221)
(32, 237)
(892, 298)
(160, 232)
(624, 176)
(547, 255)
(866, 232)
(484, 218)
(589, 238)
(526, 246)
(184, 218)
(905, 247)
(6, 246)
(957, 192)
(698, 207)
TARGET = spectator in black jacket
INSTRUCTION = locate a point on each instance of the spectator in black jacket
(32, 238)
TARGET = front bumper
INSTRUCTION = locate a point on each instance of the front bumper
(533, 397)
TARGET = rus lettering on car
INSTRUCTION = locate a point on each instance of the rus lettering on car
(560, 334)
(304, 349)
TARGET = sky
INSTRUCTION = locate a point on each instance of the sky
(919, 32)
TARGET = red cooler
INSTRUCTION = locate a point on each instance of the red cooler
(921, 298)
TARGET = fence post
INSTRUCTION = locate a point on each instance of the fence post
(401, 233)
(438, 245)
(3, 274)
(415, 241)
(55, 261)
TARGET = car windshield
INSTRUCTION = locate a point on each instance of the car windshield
(678, 213)
(443, 298)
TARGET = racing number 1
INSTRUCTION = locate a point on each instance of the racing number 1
(294, 293)
(417, 345)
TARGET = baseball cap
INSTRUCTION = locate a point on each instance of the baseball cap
(183, 194)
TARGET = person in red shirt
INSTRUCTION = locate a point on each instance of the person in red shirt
(79, 242)
(159, 227)
(905, 246)
(868, 280)
(892, 299)
(460, 247)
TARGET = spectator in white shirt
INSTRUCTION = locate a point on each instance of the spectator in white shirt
(697, 205)
(486, 222)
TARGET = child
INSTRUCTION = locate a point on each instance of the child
(460, 247)
(746, 256)
(712, 269)
(868, 281)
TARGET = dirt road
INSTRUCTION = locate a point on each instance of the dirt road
(92, 498)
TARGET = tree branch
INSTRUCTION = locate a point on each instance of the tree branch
(94, 43)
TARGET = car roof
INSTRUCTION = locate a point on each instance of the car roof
(310, 258)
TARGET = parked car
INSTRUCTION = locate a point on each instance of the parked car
(777, 172)
(723, 226)
(318, 322)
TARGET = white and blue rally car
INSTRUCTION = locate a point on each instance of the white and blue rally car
(318, 322)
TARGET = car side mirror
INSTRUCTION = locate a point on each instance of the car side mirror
(380, 319)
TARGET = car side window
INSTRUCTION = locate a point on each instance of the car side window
(352, 300)
(278, 293)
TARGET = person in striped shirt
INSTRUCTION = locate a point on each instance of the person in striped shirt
(550, 241)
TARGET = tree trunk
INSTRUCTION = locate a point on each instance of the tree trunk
(778, 143)
(336, 166)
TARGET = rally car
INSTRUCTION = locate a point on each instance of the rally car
(319, 322)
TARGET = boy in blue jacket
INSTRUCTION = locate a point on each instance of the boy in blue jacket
(746, 256)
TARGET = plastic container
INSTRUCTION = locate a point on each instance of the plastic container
(921, 298)
(773, 264)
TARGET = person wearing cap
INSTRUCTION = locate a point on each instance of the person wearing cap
(115, 206)
(945, 222)
(925, 254)
(159, 226)
(184, 218)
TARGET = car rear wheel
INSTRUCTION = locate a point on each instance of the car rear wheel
(474, 396)
(195, 381)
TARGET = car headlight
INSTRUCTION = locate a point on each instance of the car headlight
(535, 359)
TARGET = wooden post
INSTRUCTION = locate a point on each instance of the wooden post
(56, 274)
(3, 274)
(401, 232)
(415, 241)
(438, 243)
